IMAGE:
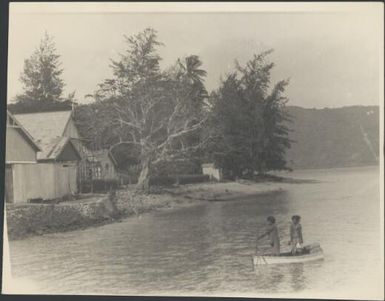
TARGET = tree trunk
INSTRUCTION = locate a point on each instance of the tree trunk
(144, 177)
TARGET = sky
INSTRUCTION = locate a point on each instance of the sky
(332, 57)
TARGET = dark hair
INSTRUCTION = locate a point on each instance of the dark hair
(271, 219)
(295, 217)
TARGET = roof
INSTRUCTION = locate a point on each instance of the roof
(47, 128)
(27, 136)
(99, 154)
(95, 155)
(208, 165)
(56, 148)
(81, 148)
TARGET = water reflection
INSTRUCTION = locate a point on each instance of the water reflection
(269, 278)
(298, 279)
(208, 248)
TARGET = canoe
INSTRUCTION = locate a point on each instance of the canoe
(311, 252)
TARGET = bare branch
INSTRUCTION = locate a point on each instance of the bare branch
(183, 132)
(122, 143)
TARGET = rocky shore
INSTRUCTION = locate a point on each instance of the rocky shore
(36, 219)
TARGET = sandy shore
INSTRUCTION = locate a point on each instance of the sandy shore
(225, 191)
(130, 203)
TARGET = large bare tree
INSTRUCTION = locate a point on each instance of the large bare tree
(157, 112)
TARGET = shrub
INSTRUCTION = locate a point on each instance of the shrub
(162, 181)
(183, 179)
(190, 179)
(99, 185)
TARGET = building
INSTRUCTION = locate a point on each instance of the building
(105, 166)
(101, 172)
(20, 146)
(20, 149)
(40, 164)
(213, 172)
(102, 168)
(55, 133)
(58, 137)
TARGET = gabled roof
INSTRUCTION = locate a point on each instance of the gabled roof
(99, 154)
(57, 148)
(19, 127)
(81, 148)
(47, 128)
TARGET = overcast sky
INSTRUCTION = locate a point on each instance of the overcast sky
(333, 59)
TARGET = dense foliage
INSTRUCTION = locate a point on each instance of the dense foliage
(178, 179)
(163, 122)
(148, 111)
(248, 121)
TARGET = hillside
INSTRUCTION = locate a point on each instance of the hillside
(324, 138)
(334, 137)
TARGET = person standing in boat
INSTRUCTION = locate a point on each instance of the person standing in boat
(272, 233)
(296, 239)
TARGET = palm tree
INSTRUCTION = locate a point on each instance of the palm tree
(191, 73)
(190, 66)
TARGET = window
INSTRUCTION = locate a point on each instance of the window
(90, 173)
(98, 172)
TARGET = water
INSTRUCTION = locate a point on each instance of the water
(206, 249)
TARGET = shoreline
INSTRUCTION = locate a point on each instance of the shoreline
(28, 220)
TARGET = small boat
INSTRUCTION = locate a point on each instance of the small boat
(310, 252)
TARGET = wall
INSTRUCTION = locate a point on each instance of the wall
(17, 149)
(29, 219)
(42, 180)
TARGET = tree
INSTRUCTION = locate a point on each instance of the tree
(276, 133)
(248, 120)
(228, 128)
(42, 82)
(189, 75)
(41, 74)
(151, 109)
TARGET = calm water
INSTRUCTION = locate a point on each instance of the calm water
(206, 249)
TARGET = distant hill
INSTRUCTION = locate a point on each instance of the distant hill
(334, 137)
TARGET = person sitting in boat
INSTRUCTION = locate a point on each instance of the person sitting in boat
(272, 232)
(296, 239)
